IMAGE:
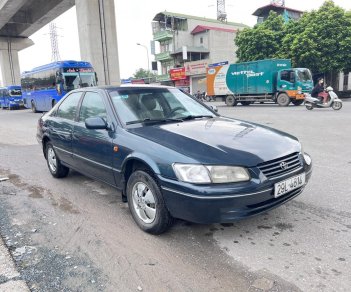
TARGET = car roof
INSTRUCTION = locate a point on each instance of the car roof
(123, 86)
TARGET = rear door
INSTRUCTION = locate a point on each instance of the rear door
(93, 150)
(61, 127)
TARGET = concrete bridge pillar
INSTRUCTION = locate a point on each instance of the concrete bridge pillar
(9, 63)
(98, 38)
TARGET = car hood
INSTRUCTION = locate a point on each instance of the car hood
(221, 140)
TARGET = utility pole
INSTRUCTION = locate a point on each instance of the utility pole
(221, 14)
(55, 54)
(148, 61)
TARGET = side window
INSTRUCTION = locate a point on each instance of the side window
(92, 106)
(288, 75)
(284, 75)
(68, 107)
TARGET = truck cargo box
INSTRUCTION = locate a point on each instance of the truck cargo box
(255, 77)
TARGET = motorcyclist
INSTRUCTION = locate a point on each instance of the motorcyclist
(318, 90)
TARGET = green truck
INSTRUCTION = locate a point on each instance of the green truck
(259, 81)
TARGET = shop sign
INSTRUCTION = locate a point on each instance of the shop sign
(196, 67)
(218, 64)
(138, 81)
(177, 73)
(183, 82)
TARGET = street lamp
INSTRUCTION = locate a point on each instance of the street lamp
(148, 62)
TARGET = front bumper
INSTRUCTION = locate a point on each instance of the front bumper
(224, 204)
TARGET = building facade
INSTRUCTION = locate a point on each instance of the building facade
(188, 44)
(262, 13)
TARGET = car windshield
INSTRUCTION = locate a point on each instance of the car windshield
(78, 80)
(304, 75)
(15, 92)
(144, 105)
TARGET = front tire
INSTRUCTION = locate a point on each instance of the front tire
(146, 203)
(54, 164)
(33, 107)
(283, 99)
(337, 105)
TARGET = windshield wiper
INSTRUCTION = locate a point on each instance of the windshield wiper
(192, 117)
(148, 120)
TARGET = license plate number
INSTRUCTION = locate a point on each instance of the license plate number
(288, 185)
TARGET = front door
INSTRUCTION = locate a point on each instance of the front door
(92, 149)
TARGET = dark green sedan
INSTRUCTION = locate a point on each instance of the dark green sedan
(171, 156)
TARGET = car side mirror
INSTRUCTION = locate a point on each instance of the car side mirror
(96, 123)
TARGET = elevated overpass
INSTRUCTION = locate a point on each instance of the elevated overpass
(19, 19)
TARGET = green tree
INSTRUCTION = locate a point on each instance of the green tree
(261, 42)
(322, 43)
(319, 40)
(142, 74)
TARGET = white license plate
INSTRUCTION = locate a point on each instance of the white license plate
(289, 184)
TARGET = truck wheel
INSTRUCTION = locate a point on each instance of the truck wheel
(283, 99)
(297, 101)
(245, 102)
(230, 100)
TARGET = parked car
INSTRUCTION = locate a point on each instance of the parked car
(171, 156)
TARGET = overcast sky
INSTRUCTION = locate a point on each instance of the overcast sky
(133, 19)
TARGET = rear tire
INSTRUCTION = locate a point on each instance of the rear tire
(230, 100)
(283, 99)
(146, 203)
(309, 106)
(55, 167)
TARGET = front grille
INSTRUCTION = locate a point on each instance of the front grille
(280, 166)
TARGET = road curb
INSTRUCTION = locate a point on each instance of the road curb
(9, 277)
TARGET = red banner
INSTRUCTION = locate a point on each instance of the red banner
(177, 73)
(183, 82)
(138, 81)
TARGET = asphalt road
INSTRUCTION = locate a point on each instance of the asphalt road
(75, 234)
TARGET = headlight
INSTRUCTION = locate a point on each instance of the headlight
(198, 173)
(307, 158)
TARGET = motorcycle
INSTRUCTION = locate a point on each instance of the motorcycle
(334, 102)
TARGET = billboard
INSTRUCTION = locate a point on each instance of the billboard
(196, 67)
(216, 80)
(177, 73)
